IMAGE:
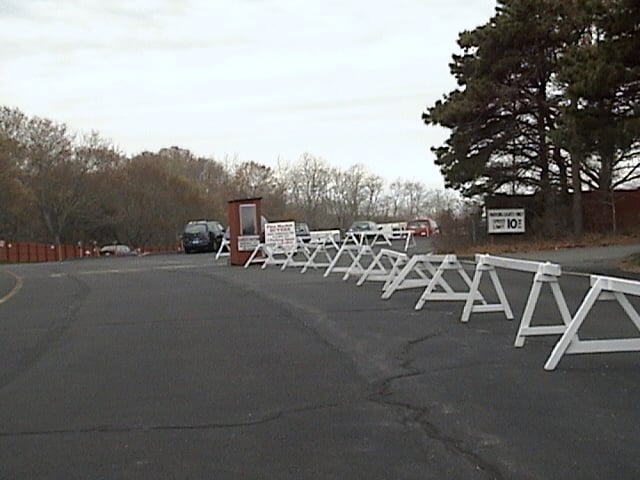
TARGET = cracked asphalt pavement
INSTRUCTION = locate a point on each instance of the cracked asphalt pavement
(179, 366)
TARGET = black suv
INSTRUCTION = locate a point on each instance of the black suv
(202, 236)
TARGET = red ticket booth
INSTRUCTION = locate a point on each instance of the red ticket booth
(245, 228)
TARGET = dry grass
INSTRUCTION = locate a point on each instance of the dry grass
(631, 263)
(503, 245)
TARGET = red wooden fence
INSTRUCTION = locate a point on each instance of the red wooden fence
(19, 252)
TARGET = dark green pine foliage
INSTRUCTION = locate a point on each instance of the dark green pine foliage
(600, 76)
(502, 113)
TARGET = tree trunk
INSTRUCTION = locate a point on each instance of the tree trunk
(576, 183)
(546, 190)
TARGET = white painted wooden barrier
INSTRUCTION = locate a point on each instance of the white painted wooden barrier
(301, 249)
(254, 258)
(549, 274)
(485, 263)
(602, 288)
(380, 238)
(404, 236)
(449, 263)
(351, 246)
(272, 254)
(320, 256)
(384, 267)
(318, 235)
(357, 267)
(416, 273)
(409, 241)
(544, 273)
(224, 250)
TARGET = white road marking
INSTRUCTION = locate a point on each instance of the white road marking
(16, 288)
(137, 270)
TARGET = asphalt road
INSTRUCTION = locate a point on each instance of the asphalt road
(177, 366)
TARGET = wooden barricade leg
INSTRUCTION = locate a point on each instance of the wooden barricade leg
(376, 271)
(253, 255)
(401, 281)
(409, 241)
(525, 328)
(562, 345)
(334, 260)
(387, 290)
(322, 247)
(449, 263)
(290, 261)
(395, 271)
(275, 255)
(224, 249)
(602, 288)
(349, 249)
(474, 294)
(356, 267)
(377, 261)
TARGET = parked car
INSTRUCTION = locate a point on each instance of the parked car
(117, 249)
(217, 229)
(302, 232)
(202, 236)
(424, 227)
(393, 231)
(363, 226)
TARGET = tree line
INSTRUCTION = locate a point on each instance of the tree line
(547, 104)
(62, 187)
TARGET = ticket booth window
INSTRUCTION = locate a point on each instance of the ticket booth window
(248, 224)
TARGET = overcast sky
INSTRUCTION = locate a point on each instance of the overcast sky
(345, 80)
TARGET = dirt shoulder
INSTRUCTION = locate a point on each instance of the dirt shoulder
(613, 256)
(609, 260)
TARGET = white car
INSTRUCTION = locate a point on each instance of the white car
(117, 250)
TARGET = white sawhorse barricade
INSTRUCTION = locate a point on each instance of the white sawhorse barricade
(367, 241)
(602, 288)
(274, 254)
(301, 248)
(449, 263)
(270, 254)
(355, 245)
(545, 272)
(409, 241)
(322, 247)
(428, 271)
(279, 246)
(373, 238)
(377, 271)
(397, 236)
(416, 273)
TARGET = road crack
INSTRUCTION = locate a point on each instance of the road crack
(420, 416)
(139, 428)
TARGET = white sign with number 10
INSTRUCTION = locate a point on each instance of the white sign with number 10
(505, 220)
